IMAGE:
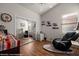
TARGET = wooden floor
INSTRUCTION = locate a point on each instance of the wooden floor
(24, 41)
(35, 49)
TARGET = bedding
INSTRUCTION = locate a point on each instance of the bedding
(8, 42)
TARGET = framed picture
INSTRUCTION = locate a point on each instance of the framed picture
(55, 27)
(6, 17)
(48, 23)
(43, 23)
(55, 24)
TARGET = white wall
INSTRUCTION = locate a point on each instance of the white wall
(55, 15)
(18, 11)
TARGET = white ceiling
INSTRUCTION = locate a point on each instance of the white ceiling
(38, 7)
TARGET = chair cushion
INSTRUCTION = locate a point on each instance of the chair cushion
(68, 35)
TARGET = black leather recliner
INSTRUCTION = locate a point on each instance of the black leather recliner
(65, 43)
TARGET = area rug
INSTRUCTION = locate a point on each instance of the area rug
(49, 47)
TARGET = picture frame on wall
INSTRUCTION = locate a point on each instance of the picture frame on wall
(48, 23)
(5, 17)
(55, 26)
(43, 23)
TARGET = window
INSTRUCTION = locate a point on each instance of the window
(69, 23)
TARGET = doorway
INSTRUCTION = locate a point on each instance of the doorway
(25, 30)
(32, 29)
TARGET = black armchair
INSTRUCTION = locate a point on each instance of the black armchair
(65, 43)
